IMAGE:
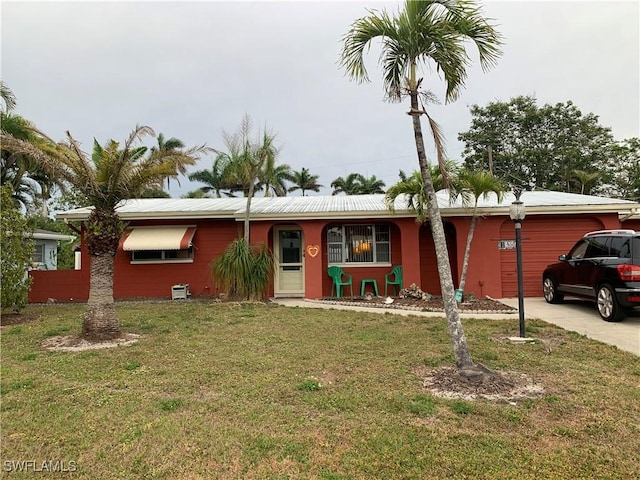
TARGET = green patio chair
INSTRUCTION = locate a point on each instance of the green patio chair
(336, 274)
(396, 273)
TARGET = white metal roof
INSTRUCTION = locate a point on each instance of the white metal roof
(353, 206)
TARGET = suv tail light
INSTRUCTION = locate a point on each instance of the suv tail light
(629, 273)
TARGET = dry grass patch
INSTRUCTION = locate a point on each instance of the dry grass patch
(263, 391)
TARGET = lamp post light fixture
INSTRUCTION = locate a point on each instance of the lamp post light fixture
(517, 214)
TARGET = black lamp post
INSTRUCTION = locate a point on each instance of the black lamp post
(517, 214)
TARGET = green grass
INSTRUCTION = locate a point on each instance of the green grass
(264, 392)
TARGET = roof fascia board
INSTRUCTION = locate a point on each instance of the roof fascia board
(154, 215)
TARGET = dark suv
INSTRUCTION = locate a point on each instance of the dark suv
(603, 266)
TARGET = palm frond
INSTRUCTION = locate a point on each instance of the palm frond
(8, 97)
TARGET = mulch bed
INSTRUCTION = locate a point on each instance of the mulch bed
(469, 304)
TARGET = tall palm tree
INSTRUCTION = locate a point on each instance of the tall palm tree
(169, 145)
(426, 33)
(472, 187)
(371, 185)
(350, 185)
(304, 181)
(245, 161)
(111, 174)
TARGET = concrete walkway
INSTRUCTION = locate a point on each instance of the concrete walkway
(573, 315)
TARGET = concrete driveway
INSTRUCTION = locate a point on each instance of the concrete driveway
(582, 317)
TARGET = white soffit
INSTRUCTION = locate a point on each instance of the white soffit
(159, 238)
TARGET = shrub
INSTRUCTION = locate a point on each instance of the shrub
(243, 271)
(16, 251)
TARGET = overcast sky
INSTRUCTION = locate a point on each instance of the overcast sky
(190, 70)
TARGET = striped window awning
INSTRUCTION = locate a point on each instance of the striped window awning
(159, 238)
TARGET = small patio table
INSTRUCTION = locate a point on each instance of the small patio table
(368, 280)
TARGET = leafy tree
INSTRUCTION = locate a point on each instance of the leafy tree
(535, 147)
(111, 174)
(622, 177)
(304, 181)
(426, 33)
(16, 250)
(69, 199)
(473, 186)
(196, 194)
(66, 255)
(350, 185)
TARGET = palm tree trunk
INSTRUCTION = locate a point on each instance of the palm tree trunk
(456, 332)
(247, 212)
(100, 319)
(467, 253)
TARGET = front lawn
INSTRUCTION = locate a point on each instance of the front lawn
(249, 391)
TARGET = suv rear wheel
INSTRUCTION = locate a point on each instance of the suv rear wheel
(550, 290)
(608, 306)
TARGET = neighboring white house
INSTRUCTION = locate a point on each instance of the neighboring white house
(45, 254)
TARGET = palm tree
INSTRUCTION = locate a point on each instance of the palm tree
(472, 187)
(111, 174)
(586, 180)
(304, 181)
(424, 33)
(213, 179)
(7, 96)
(30, 184)
(350, 185)
(169, 145)
(413, 188)
(245, 161)
(371, 185)
(273, 177)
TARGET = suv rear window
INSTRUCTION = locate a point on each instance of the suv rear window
(620, 247)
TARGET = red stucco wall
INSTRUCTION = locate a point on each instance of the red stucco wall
(59, 286)
(156, 280)
(633, 224)
(491, 270)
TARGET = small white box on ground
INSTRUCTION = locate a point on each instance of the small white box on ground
(179, 292)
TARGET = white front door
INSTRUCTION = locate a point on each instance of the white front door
(289, 271)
